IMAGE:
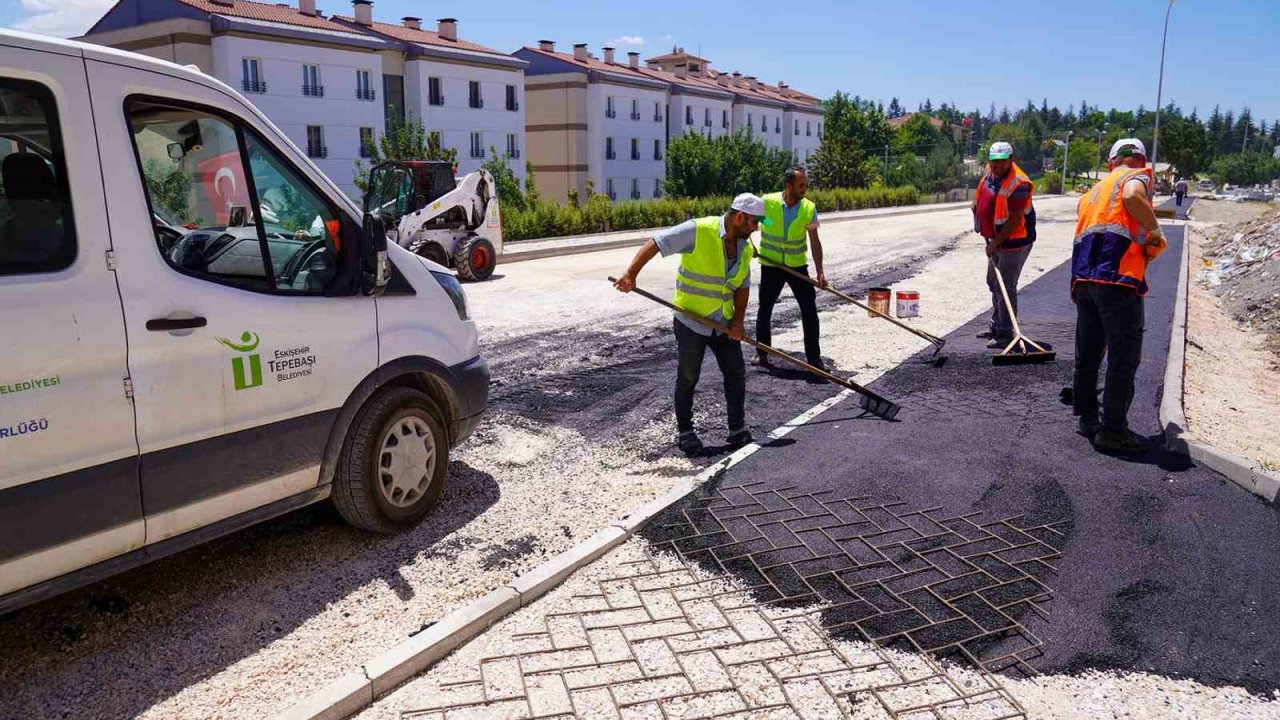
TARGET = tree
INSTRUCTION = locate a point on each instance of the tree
(1247, 168)
(1186, 145)
(405, 139)
(855, 135)
(698, 166)
(928, 105)
(531, 196)
(895, 109)
(917, 136)
(508, 183)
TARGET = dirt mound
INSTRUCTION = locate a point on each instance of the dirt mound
(1242, 267)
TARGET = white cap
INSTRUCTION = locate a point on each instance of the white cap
(751, 205)
(1137, 148)
(1000, 151)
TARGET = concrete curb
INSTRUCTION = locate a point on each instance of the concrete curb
(1246, 473)
(515, 255)
(358, 689)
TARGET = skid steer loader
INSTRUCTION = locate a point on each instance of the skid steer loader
(426, 210)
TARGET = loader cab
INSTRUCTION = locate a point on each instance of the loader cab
(400, 187)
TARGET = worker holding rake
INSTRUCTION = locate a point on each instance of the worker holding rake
(785, 243)
(1006, 218)
(713, 283)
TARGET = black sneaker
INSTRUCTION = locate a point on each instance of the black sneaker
(739, 438)
(1088, 427)
(999, 342)
(689, 442)
(985, 335)
(1123, 441)
(762, 360)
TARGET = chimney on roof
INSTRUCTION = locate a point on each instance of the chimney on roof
(723, 80)
(447, 28)
(547, 45)
(307, 7)
(633, 59)
(783, 89)
(223, 3)
(608, 55)
(363, 10)
(580, 51)
(412, 23)
(752, 82)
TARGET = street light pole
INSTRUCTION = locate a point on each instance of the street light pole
(1155, 140)
(1066, 157)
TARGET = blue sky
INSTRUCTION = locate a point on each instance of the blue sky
(1106, 51)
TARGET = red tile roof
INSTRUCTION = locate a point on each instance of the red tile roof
(902, 119)
(421, 37)
(266, 12)
(677, 55)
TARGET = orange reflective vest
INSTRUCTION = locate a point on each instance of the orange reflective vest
(1109, 241)
(1015, 179)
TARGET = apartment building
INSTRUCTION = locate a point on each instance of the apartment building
(331, 82)
(594, 118)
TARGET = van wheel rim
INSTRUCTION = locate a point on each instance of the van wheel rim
(407, 461)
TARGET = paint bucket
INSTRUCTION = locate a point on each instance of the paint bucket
(908, 303)
(878, 300)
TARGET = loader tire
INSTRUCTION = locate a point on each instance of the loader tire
(475, 259)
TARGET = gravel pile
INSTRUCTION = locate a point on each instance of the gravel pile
(1242, 266)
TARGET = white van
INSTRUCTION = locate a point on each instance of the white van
(200, 330)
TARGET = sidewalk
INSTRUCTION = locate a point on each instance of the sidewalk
(522, 250)
(806, 580)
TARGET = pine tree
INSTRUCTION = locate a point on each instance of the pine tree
(928, 105)
(895, 108)
(1004, 118)
(991, 114)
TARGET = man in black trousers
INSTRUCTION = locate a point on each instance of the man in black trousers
(784, 242)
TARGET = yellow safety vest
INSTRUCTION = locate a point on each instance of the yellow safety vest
(793, 249)
(702, 283)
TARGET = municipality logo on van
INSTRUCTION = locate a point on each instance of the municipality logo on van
(248, 343)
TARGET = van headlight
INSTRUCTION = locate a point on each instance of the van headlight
(454, 289)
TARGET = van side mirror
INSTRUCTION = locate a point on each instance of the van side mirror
(176, 151)
(375, 266)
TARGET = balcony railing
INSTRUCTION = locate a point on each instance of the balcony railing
(477, 102)
(657, 117)
(255, 86)
(513, 106)
(436, 100)
(610, 155)
(366, 94)
(317, 151)
(635, 154)
(610, 113)
(635, 116)
(313, 90)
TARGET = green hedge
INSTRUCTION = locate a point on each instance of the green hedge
(598, 214)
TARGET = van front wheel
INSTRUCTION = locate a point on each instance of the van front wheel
(393, 464)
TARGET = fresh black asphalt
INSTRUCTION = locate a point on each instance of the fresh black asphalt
(1166, 567)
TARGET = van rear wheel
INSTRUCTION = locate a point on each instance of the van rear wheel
(394, 462)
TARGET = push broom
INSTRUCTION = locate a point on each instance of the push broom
(871, 402)
(937, 342)
(1029, 352)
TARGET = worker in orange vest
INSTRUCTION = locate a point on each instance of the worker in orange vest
(1117, 234)
(1005, 217)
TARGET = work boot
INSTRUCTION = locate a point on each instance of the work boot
(1123, 441)
(740, 437)
(1088, 427)
(999, 342)
(986, 335)
(689, 442)
(762, 360)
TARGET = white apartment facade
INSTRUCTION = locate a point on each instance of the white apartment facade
(331, 82)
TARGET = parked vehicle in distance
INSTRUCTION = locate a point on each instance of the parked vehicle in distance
(203, 331)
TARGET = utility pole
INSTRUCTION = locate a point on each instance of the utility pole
(1066, 156)
(886, 164)
(1155, 140)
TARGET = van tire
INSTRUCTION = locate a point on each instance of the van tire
(475, 258)
(368, 457)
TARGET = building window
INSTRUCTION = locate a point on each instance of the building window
(724, 119)
(366, 142)
(706, 117)
(819, 130)
(512, 103)
(777, 125)
(435, 95)
(657, 187)
(797, 127)
(612, 195)
(635, 148)
(657, 112)
(474, 98)
(609, 154)
(635, 109)
(609, 110)
(252, 71)
(513, 146)
(315, 142)
(808, 129)
(477, 145)
(635, 188)
(364, 88)
(688, 115)
(657, 149)
(311, 86)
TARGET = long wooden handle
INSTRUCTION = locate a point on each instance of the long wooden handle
(919, 333)
(885, 403)
(1013, 318)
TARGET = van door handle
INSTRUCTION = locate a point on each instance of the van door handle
(171, 324)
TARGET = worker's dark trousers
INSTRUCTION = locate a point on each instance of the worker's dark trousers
(1109, 319)
(1010, 263)
(1179, 196)
(771, 281)
(692, 347)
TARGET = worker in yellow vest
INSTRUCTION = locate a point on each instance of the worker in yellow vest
(714, 282)
(792, 231)
(1006, 219)
(1117, 234)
